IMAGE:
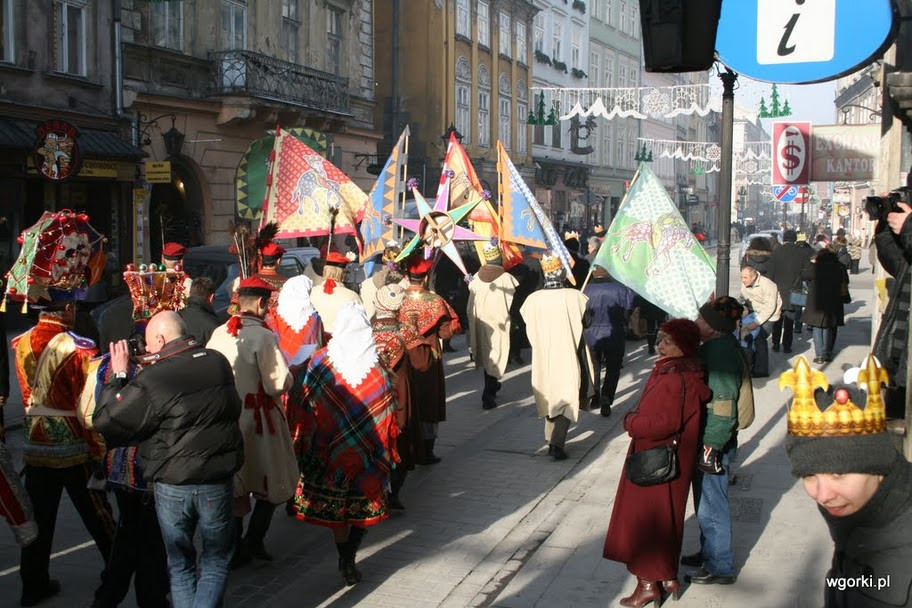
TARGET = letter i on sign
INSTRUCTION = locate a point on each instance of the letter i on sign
(795, 31)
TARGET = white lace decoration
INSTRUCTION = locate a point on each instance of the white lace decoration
(294, 305)
(352, 350)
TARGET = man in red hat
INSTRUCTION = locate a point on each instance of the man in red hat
(173, 256)
(261, 376)
(329, 296)
(435, 320)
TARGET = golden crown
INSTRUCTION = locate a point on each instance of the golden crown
(842, 417)
(491, 251)
(571, 234)
(599, 230)
(550, 263)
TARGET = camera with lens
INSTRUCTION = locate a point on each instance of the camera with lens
(879, 207)
(136, 345)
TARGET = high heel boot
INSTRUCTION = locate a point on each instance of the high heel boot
(645, 592)
(672, 587)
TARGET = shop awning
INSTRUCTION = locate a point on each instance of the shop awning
(20, 135)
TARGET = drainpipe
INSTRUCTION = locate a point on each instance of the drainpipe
(117, 80)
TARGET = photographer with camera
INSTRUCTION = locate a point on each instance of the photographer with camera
(893, 242)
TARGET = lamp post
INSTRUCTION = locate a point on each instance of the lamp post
(451, 130)
(723, 259)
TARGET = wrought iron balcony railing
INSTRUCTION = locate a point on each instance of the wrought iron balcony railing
(248, 73)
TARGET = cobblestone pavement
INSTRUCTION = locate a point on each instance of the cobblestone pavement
(498, 523)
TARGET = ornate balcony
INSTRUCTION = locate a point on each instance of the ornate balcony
(247, 73)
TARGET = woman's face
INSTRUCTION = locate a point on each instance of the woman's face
(667, 348)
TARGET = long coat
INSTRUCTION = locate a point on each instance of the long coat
(825, 277)
(788, 261)
(554, 323)
(490, 297)
(647, 523)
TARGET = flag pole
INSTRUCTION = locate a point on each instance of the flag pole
(588, 276)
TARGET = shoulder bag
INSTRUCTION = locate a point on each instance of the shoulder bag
(659, 464)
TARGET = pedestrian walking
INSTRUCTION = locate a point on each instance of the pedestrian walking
(297, 324)
(647, 522)
(261, 377)
(491, 294)
(342, 413)
(607, 308)
(198, 314)
(758, 255)
(181, 411)
(788, 262)
(824, 313)
(862, 485)
(554, 319)
(386, 266)
(330, 295)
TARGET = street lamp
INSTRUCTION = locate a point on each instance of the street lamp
(451, 130)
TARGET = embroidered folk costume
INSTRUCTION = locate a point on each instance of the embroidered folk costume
(434, 320)
(59, 259)
(296, 322)
(387, 267)
(173, 261)
(342, 412)
(15, 505)
(331, 295)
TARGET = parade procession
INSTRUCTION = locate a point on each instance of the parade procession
(616, 338)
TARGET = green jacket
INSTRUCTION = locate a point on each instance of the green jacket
(724, 368)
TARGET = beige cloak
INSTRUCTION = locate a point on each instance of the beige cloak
(270, 470)
(328, 305)
(490, 296)
(554, 324)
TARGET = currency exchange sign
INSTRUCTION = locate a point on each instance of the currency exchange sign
(791, 153)
(799, 41)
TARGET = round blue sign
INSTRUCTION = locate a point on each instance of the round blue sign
(798, 41)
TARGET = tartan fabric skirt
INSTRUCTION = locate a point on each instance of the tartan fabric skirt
(333, 501)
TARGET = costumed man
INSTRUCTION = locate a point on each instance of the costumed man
(861, 483)
(401, 350)
(331, 295)
(580, 268)
(51, 363)
(172, 259)
(434, 320)
(138, 545)
(342, 413)
(555, 318)
(608, 306)
(262, 255)
(491, 294)
(381, 276)
(261, 377)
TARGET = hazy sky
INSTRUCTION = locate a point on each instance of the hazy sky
(808, 102)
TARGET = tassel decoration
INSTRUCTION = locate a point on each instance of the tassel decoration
(234, 325)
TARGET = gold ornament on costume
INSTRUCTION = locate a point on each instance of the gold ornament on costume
(842, 417)
(491, 251)
(550, 264)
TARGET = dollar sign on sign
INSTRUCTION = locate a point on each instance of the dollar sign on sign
(788, 154)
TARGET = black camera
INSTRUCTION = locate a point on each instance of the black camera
(136, 345)
(879, 207)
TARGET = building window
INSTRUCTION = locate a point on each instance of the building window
(622, 18)
(633, 73)
(622, 73)
(484, 23)
(557, 35)
(168, 24)
(505, 122)
(521, 42)
(635, 22)
(606, 146)
(462, 19)
(556, 129)
(538, 42)
(522, 113)
(233, 31)
(291, 30)
(596, 8)
(609, 12)
(609, 69)
(576, 50)
(595, 69)
(463, 93)
(70, 38)
(484, 107)
(621, 156)
(8, 32)
(631, 145)
(503, 38)
(333, 41)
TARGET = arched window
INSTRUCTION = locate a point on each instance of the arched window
(463, 93)
(505, 115)
(484, 107)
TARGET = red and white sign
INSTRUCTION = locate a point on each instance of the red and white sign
(802, 196)
(791, 153)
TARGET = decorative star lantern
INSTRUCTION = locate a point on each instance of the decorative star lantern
(437, 228)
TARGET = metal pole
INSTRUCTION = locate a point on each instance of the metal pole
(117, 42)
(725, 182)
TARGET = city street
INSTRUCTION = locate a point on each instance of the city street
(499, 523)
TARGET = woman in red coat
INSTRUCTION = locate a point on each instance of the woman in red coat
(647, 523)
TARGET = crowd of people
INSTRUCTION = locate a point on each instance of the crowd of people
(319, 399)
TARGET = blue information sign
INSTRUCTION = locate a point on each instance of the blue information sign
(796, 41)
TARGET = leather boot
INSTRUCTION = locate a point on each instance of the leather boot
(429, 456)
(672, 587)
(645, 592)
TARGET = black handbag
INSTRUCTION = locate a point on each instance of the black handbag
(798, 298)
(655, 465)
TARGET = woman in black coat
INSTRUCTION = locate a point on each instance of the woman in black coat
(758, 255)
(827, 283)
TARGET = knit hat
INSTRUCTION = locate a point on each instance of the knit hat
(722, 314)
(389, 297)
(685, 333)
(828, 432)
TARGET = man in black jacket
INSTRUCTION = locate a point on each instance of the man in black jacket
(786, 264)
(182, 411)
(198, 314)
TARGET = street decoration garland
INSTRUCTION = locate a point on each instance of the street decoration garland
(632, 102)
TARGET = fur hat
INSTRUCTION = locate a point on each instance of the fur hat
(722, 314)
(685, 333)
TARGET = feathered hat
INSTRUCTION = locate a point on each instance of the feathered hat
(61, 257)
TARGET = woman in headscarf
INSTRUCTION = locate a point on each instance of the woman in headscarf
(341, 410)
(297, 323)
(647, 523)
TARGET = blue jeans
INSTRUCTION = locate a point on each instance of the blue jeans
(180, 510)
(714, 515)
(824, 340)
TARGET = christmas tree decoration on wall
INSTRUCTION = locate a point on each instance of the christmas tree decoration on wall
(538, 117)
(775, 111)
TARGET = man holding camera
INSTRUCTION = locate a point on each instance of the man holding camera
(893, 240)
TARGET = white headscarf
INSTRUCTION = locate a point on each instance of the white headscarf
(294, 304)
(352, 349)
